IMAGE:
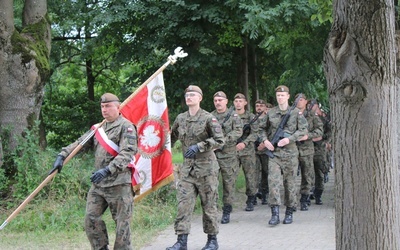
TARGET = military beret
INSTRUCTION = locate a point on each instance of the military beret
(194, 88)
(302, 96)
(240, 96)
(260, 101)
(282, 88)
(220, 94)
(108, 97)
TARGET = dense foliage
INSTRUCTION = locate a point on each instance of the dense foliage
(114, 46)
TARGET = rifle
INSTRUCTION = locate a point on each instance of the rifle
(227, 115)
(246, 128)
(280, 133)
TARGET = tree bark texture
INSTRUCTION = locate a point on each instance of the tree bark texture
(24, 65)
(360, 67)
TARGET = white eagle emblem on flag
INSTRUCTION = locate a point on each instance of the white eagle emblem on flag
(150, 137)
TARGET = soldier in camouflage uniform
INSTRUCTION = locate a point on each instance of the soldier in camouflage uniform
(285, 160)
(246, 150)
(305, 146)
(200, 134)
(321, 146)
(112, 180)
(261, 157)
(227, 158)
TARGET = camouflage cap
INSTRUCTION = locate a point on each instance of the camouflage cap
(108, 97)
(282, 88)
(240, 96)
(260, 101)
(194, 88)
(269, 105)
(220, 94)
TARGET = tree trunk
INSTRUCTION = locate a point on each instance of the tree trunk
(24, 65)
(360, 70)
(243, 70)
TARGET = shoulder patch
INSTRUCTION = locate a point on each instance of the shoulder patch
(129, 130)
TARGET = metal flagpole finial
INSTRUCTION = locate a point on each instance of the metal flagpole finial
(3, 225)
(179, 53)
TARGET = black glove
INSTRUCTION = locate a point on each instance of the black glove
(191, 151)
(100, 174)
(58, 164)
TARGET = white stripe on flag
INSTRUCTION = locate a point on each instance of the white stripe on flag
(144, 166)
(156, 109)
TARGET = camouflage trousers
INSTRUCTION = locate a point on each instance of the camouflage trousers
(262, 162)
(120, 201)
(287, 166)
(306, 163)
(229, 169)
(188, 189)
(251, 173)
(319, 167)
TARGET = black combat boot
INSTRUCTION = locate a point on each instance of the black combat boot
(312, 193)
(288, 216)
(180, 244)
(303, 202)
(212, 243)
(226, 212)
(250, 203)
(264, 198)
(318, 194)
(275, 216)
(259, 194)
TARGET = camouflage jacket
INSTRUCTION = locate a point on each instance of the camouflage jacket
(232, 129)
(203, 130)
(261, 121)
(320, 146)
(315, 129)
(250, 138)
(123, 133)
(295, 128)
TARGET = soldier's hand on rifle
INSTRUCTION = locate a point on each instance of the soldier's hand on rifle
(269, 145)
(328, 146)
(317, 138)
(305, 137)
(261, 146)
(58, 164)
(240, 146)
(100, 174)
(191, 151)
(283, 142)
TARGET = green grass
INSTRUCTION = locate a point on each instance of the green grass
(55, 219)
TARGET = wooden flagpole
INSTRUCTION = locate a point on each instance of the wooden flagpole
(179, 53)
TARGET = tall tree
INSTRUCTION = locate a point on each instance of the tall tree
(360, 67)
(24, 64)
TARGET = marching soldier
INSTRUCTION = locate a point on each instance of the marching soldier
(285, 160)
(322, 146)
(306, 151)
(115, 145)
(227, 158)
(246, 150)
(200, 134)
(261, 158)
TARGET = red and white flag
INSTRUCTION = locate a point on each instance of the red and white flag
(148, 110)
